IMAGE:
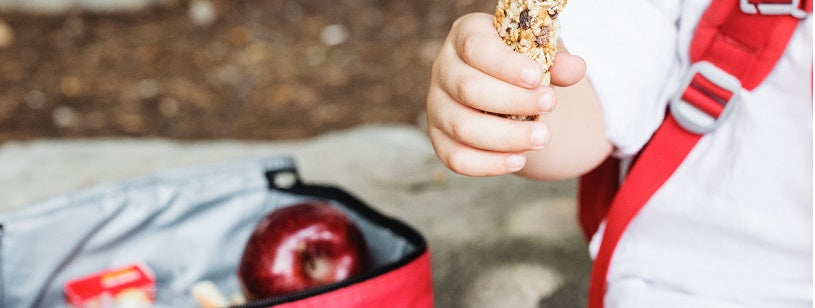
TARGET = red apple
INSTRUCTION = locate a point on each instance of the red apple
(299, 247)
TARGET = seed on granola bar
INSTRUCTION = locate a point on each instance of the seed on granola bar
(542, 39)
(524, 19)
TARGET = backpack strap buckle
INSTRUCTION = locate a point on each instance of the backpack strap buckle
(706, 98)
(793, 8)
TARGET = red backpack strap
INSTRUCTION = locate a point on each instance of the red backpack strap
(733, 48)
(596, 190)
(746, 45)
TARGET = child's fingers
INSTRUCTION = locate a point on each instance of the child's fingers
(477, 129)
(474, 162)
(567, 69)
(473, 88)
(477, 43)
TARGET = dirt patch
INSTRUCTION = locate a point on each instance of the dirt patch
(261, 70)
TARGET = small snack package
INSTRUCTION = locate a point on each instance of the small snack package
(127, 286)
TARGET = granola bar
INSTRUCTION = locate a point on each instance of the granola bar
(531, 28)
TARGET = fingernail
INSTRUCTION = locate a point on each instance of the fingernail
(540, 137)
(515, 162)
(546, 102)
(530, 76)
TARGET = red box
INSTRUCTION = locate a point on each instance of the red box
(132, 285)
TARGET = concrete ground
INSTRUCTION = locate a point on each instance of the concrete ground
(496, 242)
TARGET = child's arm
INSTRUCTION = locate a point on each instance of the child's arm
(475, 72)
(578, 142)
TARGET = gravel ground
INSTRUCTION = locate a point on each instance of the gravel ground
(220, 69)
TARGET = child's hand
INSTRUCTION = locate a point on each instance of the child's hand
(476, 72)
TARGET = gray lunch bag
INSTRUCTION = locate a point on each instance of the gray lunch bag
(186, 225)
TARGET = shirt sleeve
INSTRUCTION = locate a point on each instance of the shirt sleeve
(630, 49)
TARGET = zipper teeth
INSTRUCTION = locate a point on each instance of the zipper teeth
(279, 299)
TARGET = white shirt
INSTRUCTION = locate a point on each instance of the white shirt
(733, 226)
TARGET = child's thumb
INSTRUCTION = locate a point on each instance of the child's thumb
(567, 69)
